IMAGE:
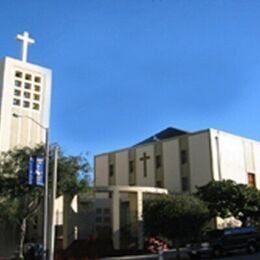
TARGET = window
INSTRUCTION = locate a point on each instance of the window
(98, 219)
(107, 219)
(98, 211)
(184, 157)
(17, 92)
(16, 102)
(111, 170)
(106, 211)
(17, 83)
(26, 104)
(27, 85)
(28, 76)
(36, 97)
(36, 106)
(158, 161)
(27, 94)
(184, 183)
(251, 180)
(37, 79)
(18, 74)
(37, 88)
(131, 166)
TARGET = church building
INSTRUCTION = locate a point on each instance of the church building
(174, 161)
(179, 161)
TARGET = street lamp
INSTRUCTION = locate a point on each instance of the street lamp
(45, 218)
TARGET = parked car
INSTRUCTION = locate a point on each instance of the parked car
(218, 242)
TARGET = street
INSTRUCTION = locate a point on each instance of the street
(171, 255)
(243, 257)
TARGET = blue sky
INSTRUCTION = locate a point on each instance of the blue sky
(125, 69)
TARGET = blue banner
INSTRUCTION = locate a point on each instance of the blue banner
(31, 171)
(36, 171)
(39, 171)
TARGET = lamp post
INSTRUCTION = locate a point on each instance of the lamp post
(46, 180)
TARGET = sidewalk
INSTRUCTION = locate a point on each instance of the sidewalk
(167, 255)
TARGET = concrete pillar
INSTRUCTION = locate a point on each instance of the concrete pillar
(65, 232)
(116, 219)
(140, 219)
(133, 210)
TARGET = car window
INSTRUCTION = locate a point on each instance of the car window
(239, 231)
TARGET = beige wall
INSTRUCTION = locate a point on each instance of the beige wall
(256, 149)
(121, 167)
(199, 160)
(171, 161)
(101, 170)
(228, 157)
(140, 179)
(212, 154)
(1, 79)
(235, 157)
(23, 131)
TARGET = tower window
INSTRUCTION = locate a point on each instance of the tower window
(17, 92)
(37, 88)
(28, 76)
(37, 79)
(17, 83)
(18, 74)
(36, 106)
(27, 94)
(36, 97)
(27, 85)
(26, 104)
(16, 102)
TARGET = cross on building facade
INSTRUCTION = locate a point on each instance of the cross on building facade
(144, 159)
(26, 41)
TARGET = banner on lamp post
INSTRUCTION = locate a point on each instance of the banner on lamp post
(31, 171)
(36, 171)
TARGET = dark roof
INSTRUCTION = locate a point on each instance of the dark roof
(164, 134)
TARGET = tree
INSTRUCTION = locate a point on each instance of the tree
(73, 173)
(18, 201)
(226, 198)
(176, 217)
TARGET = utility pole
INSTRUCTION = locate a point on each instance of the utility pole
(53, 197)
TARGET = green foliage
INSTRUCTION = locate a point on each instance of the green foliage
(226, 198)
(73, 173)
(17, 199)
(177, 217)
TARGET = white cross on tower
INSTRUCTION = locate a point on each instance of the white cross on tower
(26, 41)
